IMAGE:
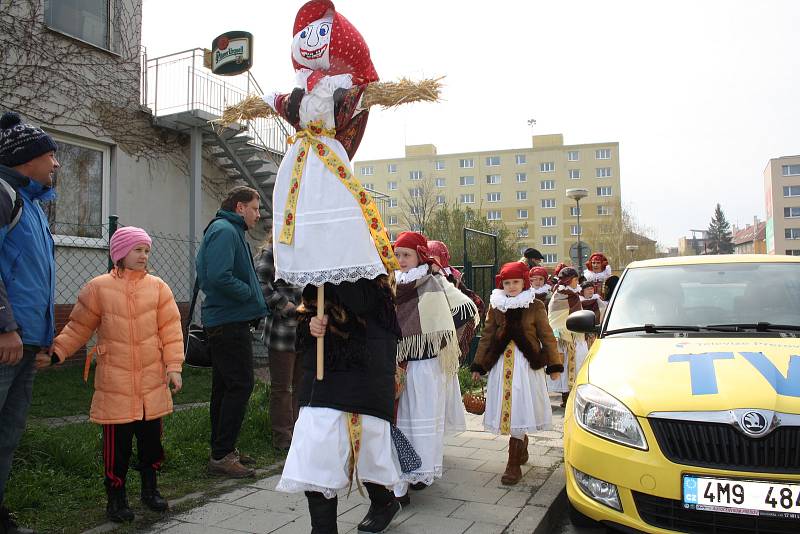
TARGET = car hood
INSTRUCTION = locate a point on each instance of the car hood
(651, 374)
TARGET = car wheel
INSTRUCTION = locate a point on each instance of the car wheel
(580, 520)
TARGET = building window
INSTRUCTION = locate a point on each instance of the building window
(574, 174)
(415, 175)
(466, 180)
(550, 258)
(602, 153)
(440, 199)
(522, 195)
(466, 163)
(493, 215)
(522, 214)
(522, 177)
(791, 170)
(392, 219)
(440, 182)
(792, 233)
(548, 203)
(603, 210)
(492, 161)
(793, 251)
(392, 202)
(468, 198)
(415, 192)
(572, 155)
(547, 166)
(574, 211)
(392, 168)
(370, 186)
(521, 159)
(549, 240)
(87, 20)
(575, 229)
(791, 212)
(392, 186)
(547, 185)
(604, 191)
(493, 179)
(522, 232)
(548, 222)
(791, 190)
(81, 182)
(367, 171)
(602, 172)
(438, 164)
(493, 197)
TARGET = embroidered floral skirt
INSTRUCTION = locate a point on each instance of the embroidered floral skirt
(319, 457)
(530, 402)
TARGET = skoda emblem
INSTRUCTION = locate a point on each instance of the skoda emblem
(754, 423)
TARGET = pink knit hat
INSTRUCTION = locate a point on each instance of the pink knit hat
(124, 239)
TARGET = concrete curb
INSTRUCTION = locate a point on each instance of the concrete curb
(540, 514)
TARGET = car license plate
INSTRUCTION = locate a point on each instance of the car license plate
(749, 497)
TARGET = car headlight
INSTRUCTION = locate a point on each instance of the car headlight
(601, 414)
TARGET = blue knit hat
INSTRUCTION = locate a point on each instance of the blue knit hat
(20, 142)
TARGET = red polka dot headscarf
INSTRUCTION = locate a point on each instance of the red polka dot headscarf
(327, 43)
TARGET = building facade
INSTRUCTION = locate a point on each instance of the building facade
(782, 193)
(751, 239)
(524, 188)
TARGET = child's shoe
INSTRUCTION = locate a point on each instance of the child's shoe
(118, 510)
(150, 495)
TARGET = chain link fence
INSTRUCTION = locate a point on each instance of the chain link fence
(82, 253)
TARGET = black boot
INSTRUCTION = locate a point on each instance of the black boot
(382, 509)
(118, 510)
(323, 513)
(8, 525)
(150, 495)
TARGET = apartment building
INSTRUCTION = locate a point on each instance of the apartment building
(525, 188)
(782, 191)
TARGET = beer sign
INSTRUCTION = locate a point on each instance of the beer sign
(232, 53)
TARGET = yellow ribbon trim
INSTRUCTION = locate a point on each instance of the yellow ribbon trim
(508, 377)
(354, 429)
(311, 142)
(571, 371)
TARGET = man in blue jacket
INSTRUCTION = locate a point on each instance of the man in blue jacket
(233, 301)
(27, 279)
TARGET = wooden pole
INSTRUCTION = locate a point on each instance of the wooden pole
(320, 341)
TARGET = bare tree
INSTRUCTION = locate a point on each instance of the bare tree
(420, 202)
(622, 238)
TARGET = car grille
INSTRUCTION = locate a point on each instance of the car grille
(671, 515)
(722, 446)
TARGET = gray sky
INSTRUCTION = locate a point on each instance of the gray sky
(699, 93)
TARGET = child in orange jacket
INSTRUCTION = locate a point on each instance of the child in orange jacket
(139, 352)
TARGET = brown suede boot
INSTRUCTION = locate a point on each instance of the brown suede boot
(513, 472)
(523, 457)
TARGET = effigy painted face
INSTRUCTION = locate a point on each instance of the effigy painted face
(597, 266)
(311, 45)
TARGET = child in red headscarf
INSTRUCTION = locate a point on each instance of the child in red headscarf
(541, 289)
(429, 310)
(518, 349)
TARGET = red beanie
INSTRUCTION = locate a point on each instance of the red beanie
(439, 250)
(414, 241)
(538, 271)
(516, 270)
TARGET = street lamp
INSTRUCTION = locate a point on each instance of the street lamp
(631, 249)
(577, 194)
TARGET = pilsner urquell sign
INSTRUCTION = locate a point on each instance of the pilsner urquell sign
(232, 53)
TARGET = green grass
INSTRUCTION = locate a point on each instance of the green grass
(56, 481)
(60, 391)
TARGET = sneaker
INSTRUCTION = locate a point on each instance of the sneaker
(229, 466)
(244, 459)
(8, 525)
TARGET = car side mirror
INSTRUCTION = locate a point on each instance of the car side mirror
(582, 322)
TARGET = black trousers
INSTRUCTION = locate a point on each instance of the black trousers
(232, 383)
(118, 443)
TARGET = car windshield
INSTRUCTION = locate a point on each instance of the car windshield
(708, 294)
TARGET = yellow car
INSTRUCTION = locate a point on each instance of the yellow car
(685, 416)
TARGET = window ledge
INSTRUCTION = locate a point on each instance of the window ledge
(81, 41)
(80, 242)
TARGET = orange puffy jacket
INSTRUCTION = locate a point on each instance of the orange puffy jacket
(139, 340)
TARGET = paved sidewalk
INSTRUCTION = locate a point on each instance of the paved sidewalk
(469, 499)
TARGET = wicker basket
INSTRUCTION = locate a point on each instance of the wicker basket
(474, 403)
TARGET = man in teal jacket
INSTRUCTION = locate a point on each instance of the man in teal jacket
(233, 301)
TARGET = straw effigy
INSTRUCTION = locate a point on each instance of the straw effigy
(385, 94)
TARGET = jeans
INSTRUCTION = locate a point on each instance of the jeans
(16, 390)
(232, 382)
(117, 446)
(285, 371)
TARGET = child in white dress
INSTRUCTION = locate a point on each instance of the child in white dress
(518, 350)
